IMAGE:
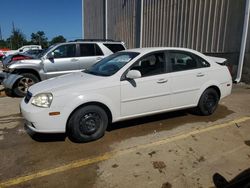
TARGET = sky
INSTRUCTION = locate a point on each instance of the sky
(54, 17)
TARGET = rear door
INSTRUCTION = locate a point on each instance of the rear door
(64, 61)
(189, 73)
(89, 54)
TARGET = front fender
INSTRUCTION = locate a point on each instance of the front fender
(10, 80)
(83, 99)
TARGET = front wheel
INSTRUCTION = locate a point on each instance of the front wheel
(21, 86)
(87, 123)
(208, 102)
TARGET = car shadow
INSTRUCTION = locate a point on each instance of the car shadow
(43, 137)
(147, 119)
(8, 93)
(175, 118)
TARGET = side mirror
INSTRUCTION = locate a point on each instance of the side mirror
(50, 55)
(133, 74)
(21, 50)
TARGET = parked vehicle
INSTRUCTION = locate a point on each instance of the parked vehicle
(23, 49)
(57, 60)
(3, 51)
(30, 54)
(125, 85)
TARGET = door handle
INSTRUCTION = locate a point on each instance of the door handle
(161, 81)
(200, 74)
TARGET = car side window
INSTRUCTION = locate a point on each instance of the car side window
(65, 51)
(114, 47)
(181, 61)
(90, 50)
(150, 65)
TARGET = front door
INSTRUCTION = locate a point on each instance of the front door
(149, 93)
(64, 61)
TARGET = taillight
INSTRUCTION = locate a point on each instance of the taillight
(18, 58)
(230, 68)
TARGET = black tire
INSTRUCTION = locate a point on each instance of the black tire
(9, 92)
(21, 86)
(208, 102)
(87, 123)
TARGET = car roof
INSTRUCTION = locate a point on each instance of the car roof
(95, 41)
(152, 49)
(92, 42)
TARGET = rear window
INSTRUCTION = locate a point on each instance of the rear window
(90, 50)
(114, 47)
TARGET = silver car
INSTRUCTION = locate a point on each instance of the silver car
(57, 60)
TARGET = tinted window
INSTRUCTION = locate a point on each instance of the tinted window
(180, 61)
(90, 50)
(150, 65)
(114, 47)
(64, 51)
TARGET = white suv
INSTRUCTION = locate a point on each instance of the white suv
(126, 85)
(24, 49)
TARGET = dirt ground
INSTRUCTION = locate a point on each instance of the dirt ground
(174, 149)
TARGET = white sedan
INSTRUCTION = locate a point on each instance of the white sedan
(125, 85)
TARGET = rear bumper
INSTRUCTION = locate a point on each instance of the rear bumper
(226, 89)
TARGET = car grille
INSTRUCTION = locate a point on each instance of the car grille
(27, 97)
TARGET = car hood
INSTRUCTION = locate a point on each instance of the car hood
(22, 62)
(29, 61)
(68, 83)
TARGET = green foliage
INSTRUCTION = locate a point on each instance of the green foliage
(39, 38)
(3, 44)
(57, 39)
(16, 39)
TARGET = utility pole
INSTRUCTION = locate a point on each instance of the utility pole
(106, 19)
(141, 22)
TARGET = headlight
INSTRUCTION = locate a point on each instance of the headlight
(42, 100)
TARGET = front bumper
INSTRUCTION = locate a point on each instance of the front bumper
(3, 75)
(38, 119)
(8, 79)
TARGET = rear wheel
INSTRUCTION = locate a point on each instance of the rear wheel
(21, 86)
(87, 123)
(208, 102)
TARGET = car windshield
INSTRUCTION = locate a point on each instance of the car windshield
(111, 64)
(46, 51)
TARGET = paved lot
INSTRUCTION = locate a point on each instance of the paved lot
(168, 150)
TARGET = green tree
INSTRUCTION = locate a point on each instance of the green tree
(3, 44)
(57, 39)
(16, 40)
(39, 38)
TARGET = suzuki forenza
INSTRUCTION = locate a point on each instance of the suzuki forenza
(125, 85)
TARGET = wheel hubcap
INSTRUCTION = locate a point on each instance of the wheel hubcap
(90, 123)
(24, 84)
